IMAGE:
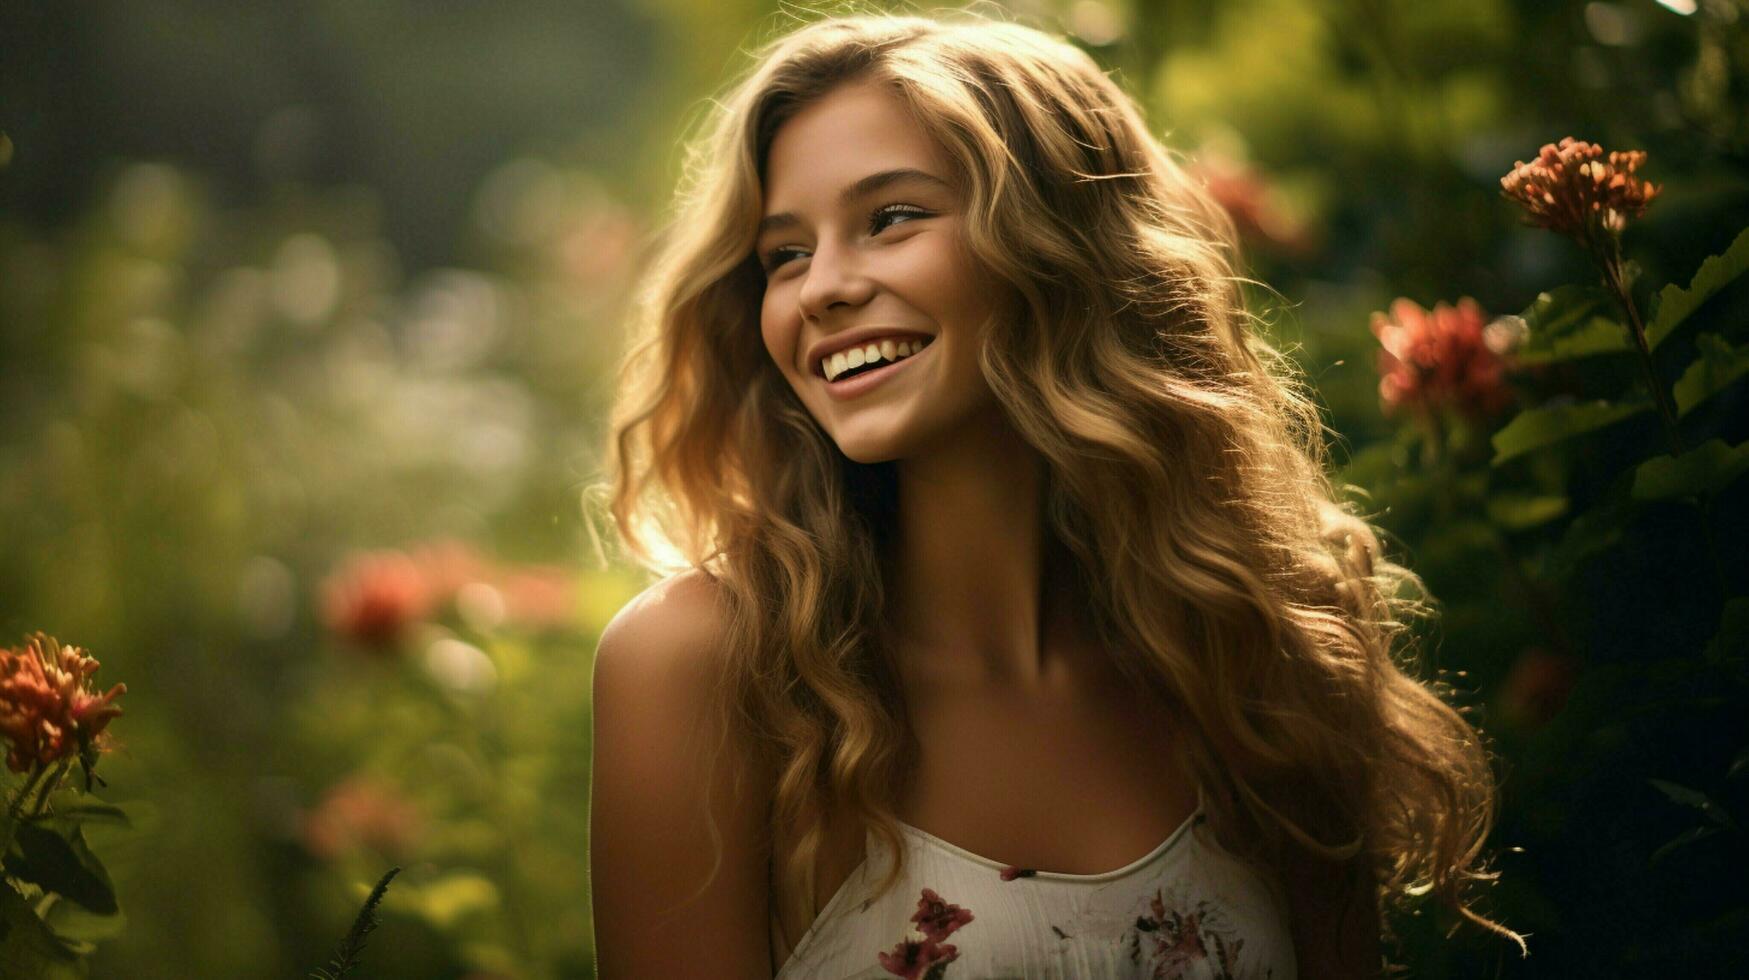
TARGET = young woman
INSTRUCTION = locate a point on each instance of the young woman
(1013, 627)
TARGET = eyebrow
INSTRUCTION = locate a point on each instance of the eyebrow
(861, 188)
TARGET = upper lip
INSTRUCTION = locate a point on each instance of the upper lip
(854, 338)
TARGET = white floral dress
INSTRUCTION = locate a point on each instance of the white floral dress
(1188, 910)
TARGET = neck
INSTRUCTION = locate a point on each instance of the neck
(974, 590)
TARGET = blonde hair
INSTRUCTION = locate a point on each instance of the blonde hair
(1186, 476)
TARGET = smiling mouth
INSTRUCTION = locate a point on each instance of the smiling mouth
(848, 371)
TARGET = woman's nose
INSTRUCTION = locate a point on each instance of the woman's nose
(835, 275)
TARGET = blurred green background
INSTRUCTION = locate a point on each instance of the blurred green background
(307, 319)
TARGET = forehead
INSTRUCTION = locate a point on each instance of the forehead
(855, 129)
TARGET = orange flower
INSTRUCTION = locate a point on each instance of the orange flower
(48, 709)
(375, 597)
(449, 564)
(1439, 359)
(1573, 189)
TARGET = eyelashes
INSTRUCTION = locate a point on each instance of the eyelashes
(876, 224)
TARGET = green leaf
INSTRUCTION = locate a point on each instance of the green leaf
(1673, 304)
(1538, 427)
(27, 947)
(73, 922)
(59, 861)
(1717, 367)
(1739, 768)
(1518, 512)
(1686, 837)
(1695, 798)
(1596, 529)
(1733, 635)
(1571, 322)
(88, 811)
(1702, 471)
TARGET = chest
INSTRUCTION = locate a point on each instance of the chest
(1082, 780)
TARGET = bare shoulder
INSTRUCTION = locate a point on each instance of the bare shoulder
(680, 615)
(663, 896)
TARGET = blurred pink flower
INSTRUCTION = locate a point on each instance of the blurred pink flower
(447, 565)
(539, 595)
(1251, 200)
(1536, 688)
(374, 597)
(48, 709)
(361, 812)
(1572, 188)
(1439, 359)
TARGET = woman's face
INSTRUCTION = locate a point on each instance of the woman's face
(863, 239)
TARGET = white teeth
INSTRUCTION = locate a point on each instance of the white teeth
(888, 350)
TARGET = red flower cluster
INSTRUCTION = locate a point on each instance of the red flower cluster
(375, 596)
(1444, 358)
(936, 919)
(48, 709)
(1574, 189)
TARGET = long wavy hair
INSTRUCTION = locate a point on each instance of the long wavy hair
(1186, 477)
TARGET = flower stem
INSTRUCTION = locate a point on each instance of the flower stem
(15, 808)
(1610, 257)
(49, 786)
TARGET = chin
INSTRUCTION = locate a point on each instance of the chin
(868, 453)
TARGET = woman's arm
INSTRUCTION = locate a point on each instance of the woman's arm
(650, 847)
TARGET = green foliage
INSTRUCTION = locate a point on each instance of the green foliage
(1549, 424)
(1718, 367)
(61, 862)
(1572, 322)
(1700, 472)
(28, 948)
(1674, 304)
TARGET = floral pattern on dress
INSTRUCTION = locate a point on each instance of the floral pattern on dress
(1181, 943)
(927, 958)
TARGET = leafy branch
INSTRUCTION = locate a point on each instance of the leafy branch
(346, 957)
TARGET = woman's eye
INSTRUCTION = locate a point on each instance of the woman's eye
(876, 220)
(775, 258)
